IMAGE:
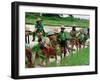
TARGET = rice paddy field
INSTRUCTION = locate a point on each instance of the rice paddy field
(76, 58)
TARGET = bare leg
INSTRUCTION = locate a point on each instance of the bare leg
(29, 57)
(61, 51)
(72, 45)
(64, 51)
(77, 46)
(47, 61)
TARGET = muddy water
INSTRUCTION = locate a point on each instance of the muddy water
(48, 28)
(51, 28)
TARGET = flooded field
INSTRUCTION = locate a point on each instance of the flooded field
(51, 28)
(46, 29)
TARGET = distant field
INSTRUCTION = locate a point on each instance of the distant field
(56, 21)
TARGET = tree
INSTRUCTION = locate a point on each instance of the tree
(51, 15)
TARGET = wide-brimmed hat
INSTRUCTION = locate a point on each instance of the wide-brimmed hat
(38, 19)
(50, 33)
(62, 27)
(81, 30)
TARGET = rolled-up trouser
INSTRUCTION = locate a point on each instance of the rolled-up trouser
(63, 45)
(34, 33)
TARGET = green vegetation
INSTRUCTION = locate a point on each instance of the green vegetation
(79, 58)
(30, 18)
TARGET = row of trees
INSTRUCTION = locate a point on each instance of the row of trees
(48, 15)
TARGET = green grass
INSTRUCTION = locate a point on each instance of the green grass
(79, 58)
(57, 21)
(53, 64)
